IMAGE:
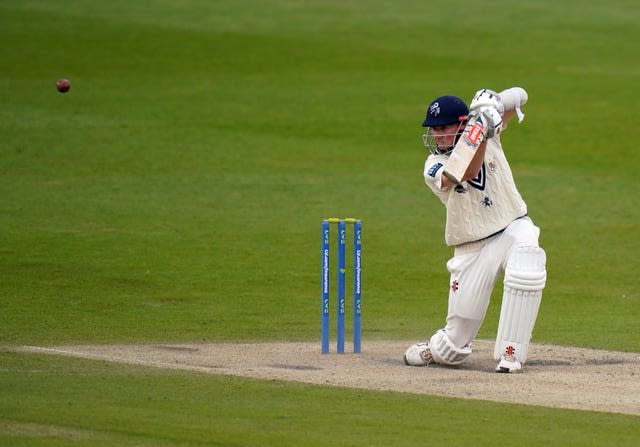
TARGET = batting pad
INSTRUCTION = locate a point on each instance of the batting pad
(524, 280)
(445, 352)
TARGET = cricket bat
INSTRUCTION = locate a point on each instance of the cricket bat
(474, 134)
(464, 150)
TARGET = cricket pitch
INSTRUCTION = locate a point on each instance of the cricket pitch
(554, 376)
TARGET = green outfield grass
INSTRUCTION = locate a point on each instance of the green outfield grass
(176, 193)
(78, 402)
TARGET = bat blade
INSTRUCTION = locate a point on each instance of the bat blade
(464, 150)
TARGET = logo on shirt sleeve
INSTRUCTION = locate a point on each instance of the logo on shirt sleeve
(434, 169)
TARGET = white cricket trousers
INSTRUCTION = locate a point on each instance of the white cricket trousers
(475, 268)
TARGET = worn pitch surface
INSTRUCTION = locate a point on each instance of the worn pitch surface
(555, 376)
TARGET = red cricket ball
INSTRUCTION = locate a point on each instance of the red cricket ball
(63, 85)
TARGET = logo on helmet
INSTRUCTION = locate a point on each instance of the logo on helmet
(434, 109)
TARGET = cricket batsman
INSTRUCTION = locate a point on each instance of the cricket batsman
(487, 226)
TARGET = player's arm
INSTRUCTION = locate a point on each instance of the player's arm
(508, 102)
(489, 112)
(508, 115)
(476, 162)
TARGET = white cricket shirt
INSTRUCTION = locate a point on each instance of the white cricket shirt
(479, 207)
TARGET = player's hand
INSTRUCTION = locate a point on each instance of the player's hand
(492, 120)
(486, 97)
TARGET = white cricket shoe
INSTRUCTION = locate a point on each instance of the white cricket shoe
(508, 363)
(418, 355)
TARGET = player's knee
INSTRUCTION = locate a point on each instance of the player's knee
(526, 269)
(445, 352)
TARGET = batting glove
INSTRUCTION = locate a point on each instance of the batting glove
(491, 119)
(486, 97)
